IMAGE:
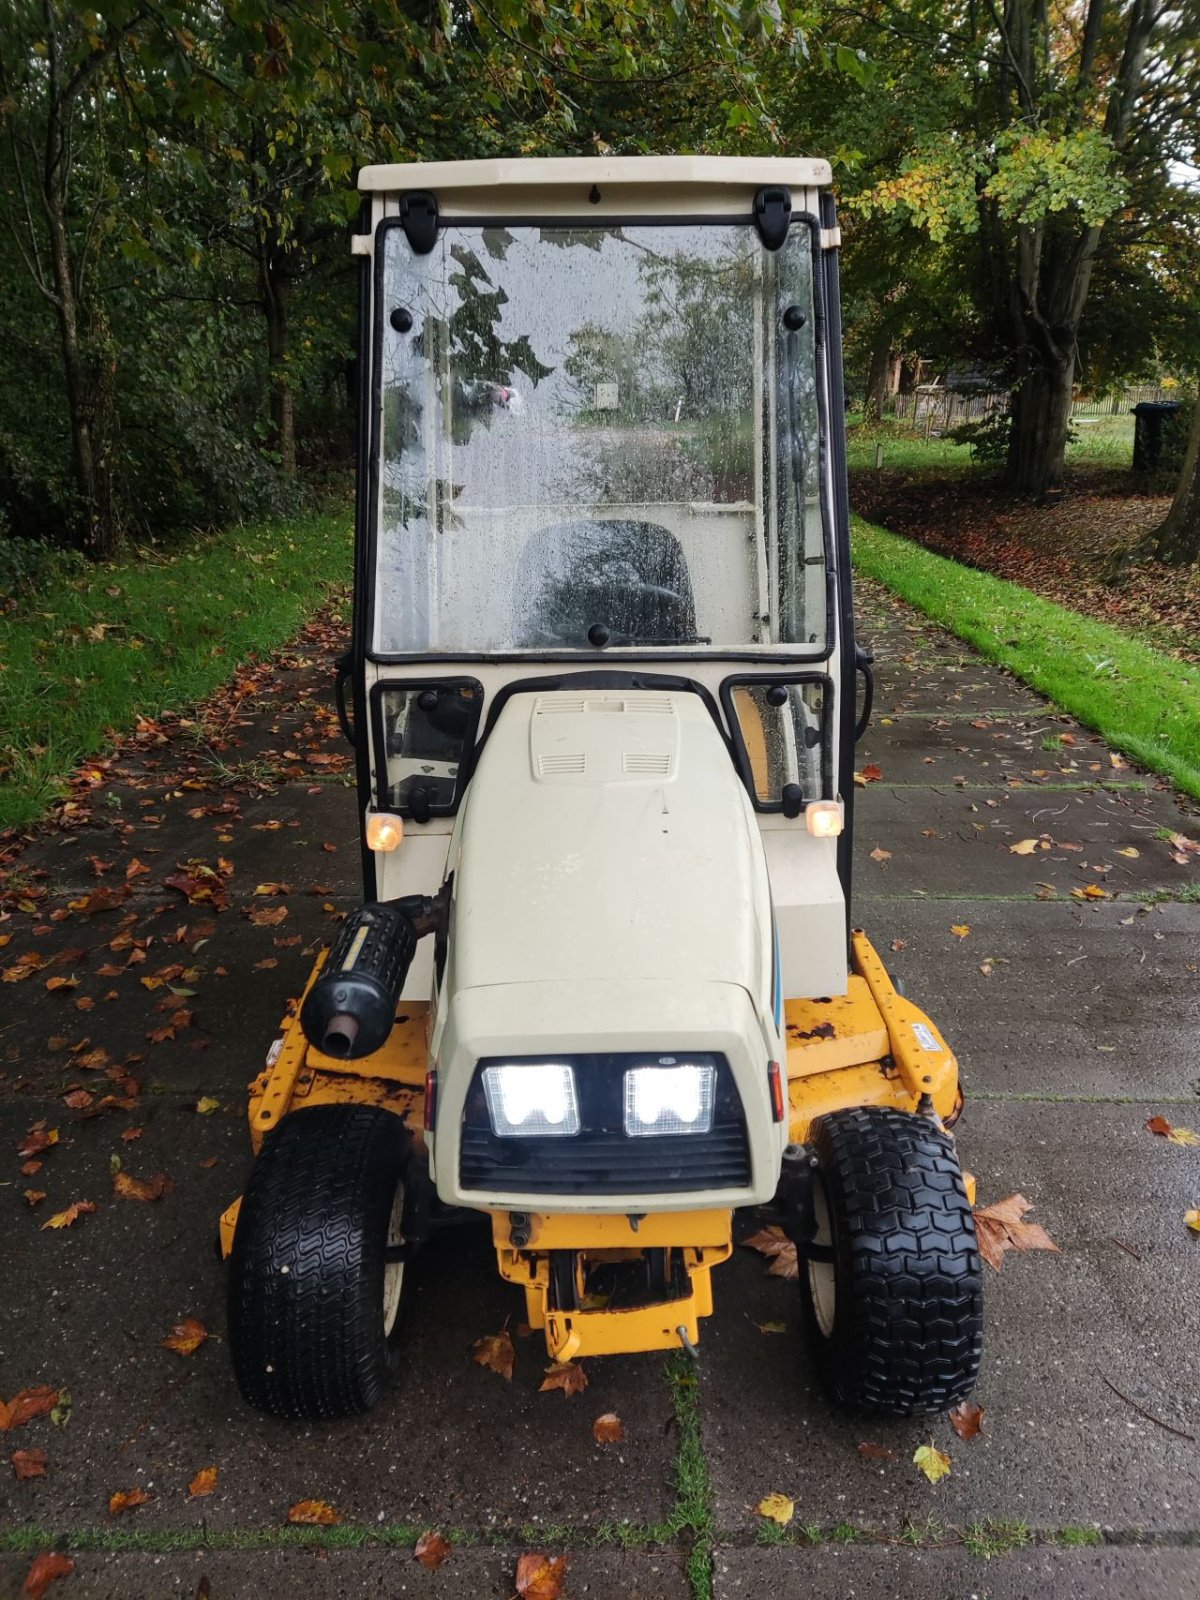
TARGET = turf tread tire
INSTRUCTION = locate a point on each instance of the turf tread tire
(305, 1319)
(908, 1325)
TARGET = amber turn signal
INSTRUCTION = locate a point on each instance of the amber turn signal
(824, 819)
(384, 832)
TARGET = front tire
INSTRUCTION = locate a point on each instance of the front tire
(893, 1293)
(314, 1302)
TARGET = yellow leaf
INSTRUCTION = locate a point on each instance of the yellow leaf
(1183, 1136)
(960, 930)
(932, 1462)
(203, 1483)
(771, 1327)
(1024, 847)
(186, 1337)
(313, 1513)
(206, 1105)
(64, 1219)
(1130, 852)
(777, 1507)
(1192, 1218)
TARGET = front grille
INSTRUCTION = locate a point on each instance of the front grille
(602, 1158)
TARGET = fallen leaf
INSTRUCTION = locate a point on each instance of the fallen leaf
(1192, 1218)
(34, 1197)
(29, 1464)
(608, 1429)
(186, 1337)
(266, 964)
(568, 1376)
(899, 944)
(771, 1327)
(61, 983)
(128, 1135)
(540, 1577)
(61, 1413)
(1133, 854)
(313, 1513)
(64, 1219)
(126, 1500)
(45, 1569)
(1091, 891)
(78, 1100)
(103, 899)
(960, 930)
(876, 1452)
(495, 1352)
(777, 1507)
(203, 1483)
(1024, 847)
(206, 1105)
(872, 773)
(432, 1550)
(23, 968)
(1000, 1227)
(966, 1419)
(130, 1188)
(23, 1407)
(268, 916)
(932, 1462)
(773, 1242)
(36, 1140)
(880, 854)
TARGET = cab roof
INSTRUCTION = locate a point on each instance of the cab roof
(557, 177)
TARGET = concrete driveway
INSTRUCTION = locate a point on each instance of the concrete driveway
(1076, 1018)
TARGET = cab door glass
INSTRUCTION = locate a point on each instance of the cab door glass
(779, 729)
(426, 732)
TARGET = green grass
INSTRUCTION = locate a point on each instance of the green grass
(155, 632)
(693, 1513)
(1141, 700)
(991, 1538)
(1099, 442)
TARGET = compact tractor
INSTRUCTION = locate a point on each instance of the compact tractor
(604, 988)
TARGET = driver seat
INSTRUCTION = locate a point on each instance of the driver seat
(628, 577)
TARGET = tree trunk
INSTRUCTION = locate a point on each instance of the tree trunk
(101, 530)
(1178, 539)
(878, 376)
(1041, 419)
(275, 291)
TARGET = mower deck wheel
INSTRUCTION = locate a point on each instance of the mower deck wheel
(314, 1301)
(893, 1293)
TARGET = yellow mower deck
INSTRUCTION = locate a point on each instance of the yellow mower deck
(870, 1046)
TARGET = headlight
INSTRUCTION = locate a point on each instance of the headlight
(531, 1101)
(673, 1099)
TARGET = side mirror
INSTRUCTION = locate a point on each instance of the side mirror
(780, 739)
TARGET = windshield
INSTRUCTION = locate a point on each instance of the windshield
(598, 436)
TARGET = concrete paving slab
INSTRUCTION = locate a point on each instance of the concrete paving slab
(883, 1572)
(1059, 1447)
(452, 1444)
(374, 1574)
(956, 842)
(1076, 1000)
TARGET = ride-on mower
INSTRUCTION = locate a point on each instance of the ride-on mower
(604, 987)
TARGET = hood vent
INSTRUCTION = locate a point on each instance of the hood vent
(647, 763)
(571, 764)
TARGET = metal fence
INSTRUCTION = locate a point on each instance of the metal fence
(936, 407)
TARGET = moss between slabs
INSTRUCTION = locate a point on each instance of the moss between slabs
(1141, 700)
(154, 632)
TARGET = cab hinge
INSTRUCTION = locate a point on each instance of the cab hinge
(831, 238)
(772, 215)
(362, 244)
(419, 219)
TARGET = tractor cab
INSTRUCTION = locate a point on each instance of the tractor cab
(604, 987)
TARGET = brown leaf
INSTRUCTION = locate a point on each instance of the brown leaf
(64, 1219)
(38, 1138)
(29, 1464)
(78, 1100)
(540, 1577)
(127, 1187)
(128, 1135)
(203, 1483)
(880, 854)
(608, 1429)
(25, 1406)
(495, 1352)
(126, 1500)
(186, 1337)
(568, 1376)
(102, 899)
(1000, 1228)
(23, 968)
(773, 1242)
(34, 1197)
(45, 1569)
(966, 1419)
(876, 1452)
(313, 1513)
(432, 1550)
(61, 983)
(268, 916)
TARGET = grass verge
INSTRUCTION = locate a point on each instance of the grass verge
(693, 1513)
(141, 636)
(1142, 701)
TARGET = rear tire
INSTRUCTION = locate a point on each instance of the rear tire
(313, 1302)
(895, 1320)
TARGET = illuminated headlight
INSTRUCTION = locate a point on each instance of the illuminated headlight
(532, 1100)
(669, 1099)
